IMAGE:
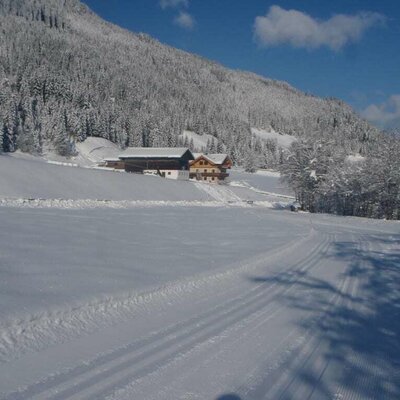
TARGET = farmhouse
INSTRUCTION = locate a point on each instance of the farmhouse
(172, 163)
(210, 168)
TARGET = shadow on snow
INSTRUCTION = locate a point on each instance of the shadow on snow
(357, 327)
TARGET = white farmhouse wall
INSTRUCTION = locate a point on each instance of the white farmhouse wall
(176, 174)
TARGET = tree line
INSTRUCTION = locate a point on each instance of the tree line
(327, 179)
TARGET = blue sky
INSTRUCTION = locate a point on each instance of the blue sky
(349, 49)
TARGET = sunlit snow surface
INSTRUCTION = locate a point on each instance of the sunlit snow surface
(282, 140)
(263, 181)
(180, 302)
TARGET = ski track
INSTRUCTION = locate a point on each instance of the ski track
(38, 331)
(283, 384)
(298, 350)
(302, 350)
(141, 358)
(249, 326)
(341, 391)
(219, 193)
(310, 357)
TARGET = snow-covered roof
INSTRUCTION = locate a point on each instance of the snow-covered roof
(217, 159)
(153, 152)
(112, 159)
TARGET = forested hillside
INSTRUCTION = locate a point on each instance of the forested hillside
(65, 74)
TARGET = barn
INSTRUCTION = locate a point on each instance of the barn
(169, 162)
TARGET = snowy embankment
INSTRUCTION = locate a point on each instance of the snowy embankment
(35, 179)
(89, 153)
(33, 183)
(262, 182)
(77, 182)
(68, 204)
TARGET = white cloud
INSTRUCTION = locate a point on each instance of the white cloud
(301, 30)
(386, 114)
(174, 3)
(184, 20)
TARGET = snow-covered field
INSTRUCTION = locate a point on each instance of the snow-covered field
(30, 182)
(199, 141)
(262, 181)
(34, 179)
(159, 301)
(282, 140)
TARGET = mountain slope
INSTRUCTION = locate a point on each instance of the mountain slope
(66, 74)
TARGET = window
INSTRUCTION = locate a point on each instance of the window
(213, 178)
(201, 162)
(205, 170)
(205, 163)
(169, 173)
(213, 170)
(197, 170)
(205, 178)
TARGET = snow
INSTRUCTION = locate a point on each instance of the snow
(65, 164)
(35, 179)
(89, 153)
(90, 204)
(267, 182)
(148, 152)
(33, 183)
(94, 150)
(216, 199)
(217, 159)
(199, 141)
(266, 172)
(355, 158)
(189, 292)
(220, 193)
(283, 140)
(270, 304)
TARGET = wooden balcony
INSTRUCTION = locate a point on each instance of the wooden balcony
(219, 175)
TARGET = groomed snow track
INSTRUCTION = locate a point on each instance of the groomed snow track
(315, 318)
